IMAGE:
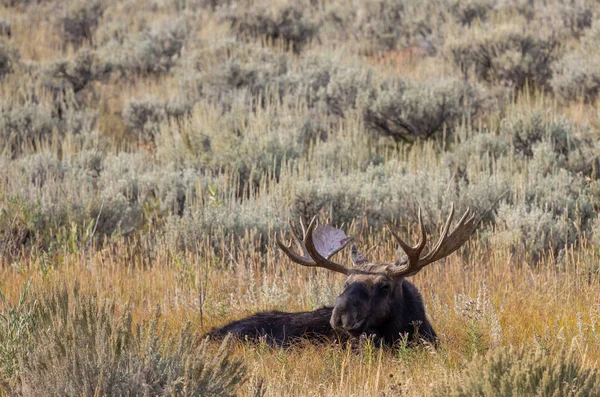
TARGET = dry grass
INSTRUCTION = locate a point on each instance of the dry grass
(477, 304)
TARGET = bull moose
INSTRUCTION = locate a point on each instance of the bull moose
(377, 300)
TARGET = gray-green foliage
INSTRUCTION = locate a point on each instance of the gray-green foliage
(82, 344)
(251, 133)
(570, 19)
(508, 54)
(550, 162)
(16, 324)
(527, 130)
(9, 56)
(77, 73)
(5, 28)
(145, 116)
(288, 22)
(394, 24)
(467, 12)
(245, 78)
(154, 51)
(80, 21)
(24, 126)
(577, 74)
(523, 372)
(407, 110)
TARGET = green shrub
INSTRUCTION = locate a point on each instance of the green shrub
(9, 56)
(82, 345)
(508, 54)
(525, 130)
(287, 22)
(530, 230)
(144, 117)
(77, 73)
(577, 74)
(393, 24)
(476, 145)
(466, 12)
(16, 324)
(24, 127)
(5, 28)
(80, 21)
(246, 79)
(331, 87)
(523, 372)
(406, 111)
(570, 19)
(154, 51)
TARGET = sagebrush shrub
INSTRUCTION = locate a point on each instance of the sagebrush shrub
(245, 80)
(576, 75)
(288, 22)
(530, 230)
(144, 117)
(77, 73)
(5, 28)
(506, 54)
(525, 130)
(80, 21)
(83, 345)
(331, 87)
(9, 57)
(523, 372)
(466, 12)
(154, 51)
(24, 127)
(16, 325)
(392, 24)
(569, 18)
(406, 110)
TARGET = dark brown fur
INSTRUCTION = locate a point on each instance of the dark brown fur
(387, 318)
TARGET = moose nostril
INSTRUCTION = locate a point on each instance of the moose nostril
(347, 321)
(336, 323)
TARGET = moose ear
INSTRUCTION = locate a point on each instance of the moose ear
(358, 258)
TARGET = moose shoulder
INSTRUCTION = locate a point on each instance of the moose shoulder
(377, 300)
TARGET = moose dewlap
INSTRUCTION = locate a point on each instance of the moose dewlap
(377, 300)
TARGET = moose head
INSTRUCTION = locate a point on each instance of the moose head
(376, 298)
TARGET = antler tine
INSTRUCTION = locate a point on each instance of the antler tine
(413, 253)
(304, 227)
(320, 260)
(443, 235)
(291, 254)
(455, 239)
(295, 236)
(446, 244)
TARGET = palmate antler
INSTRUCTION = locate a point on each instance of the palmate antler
(446, 244)
(317, 246)
(321, 242)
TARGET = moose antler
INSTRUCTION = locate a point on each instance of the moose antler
(318, 244)
(446, 244)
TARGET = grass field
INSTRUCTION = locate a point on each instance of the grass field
(150, 151)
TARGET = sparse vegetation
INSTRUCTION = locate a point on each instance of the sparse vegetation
(524, 372)
(149, 154)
